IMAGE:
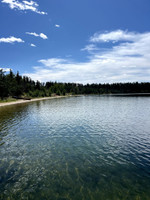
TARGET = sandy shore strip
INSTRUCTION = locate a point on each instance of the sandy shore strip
(28, 101)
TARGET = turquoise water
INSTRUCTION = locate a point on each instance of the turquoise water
(78, 148)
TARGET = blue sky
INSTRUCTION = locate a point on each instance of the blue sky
(86, 41)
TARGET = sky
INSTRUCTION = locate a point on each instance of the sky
(81, 41)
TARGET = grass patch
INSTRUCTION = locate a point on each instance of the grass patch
(9, 99)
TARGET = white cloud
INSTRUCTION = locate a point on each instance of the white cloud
(123, 62)
(24, 5)
(89, 48)
(34, 34)
(11, 40)
(41, 35)
(5, 69)
(32, 45)
(52, 62)
(57, 25)
(116, 36)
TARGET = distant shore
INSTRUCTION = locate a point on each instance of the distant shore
(129, 95)
(21, 101)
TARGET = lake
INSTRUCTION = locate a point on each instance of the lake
(77, 148)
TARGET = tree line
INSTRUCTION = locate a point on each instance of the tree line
(15, 85)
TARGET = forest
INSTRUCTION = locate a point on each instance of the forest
(15, 85)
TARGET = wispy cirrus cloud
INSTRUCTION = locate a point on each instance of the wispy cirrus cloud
(24, 5)
(126, 61)
(115, 36)
(89, 48)
(32, 45)
(41, 35)
(57, 25)
(11, 40)
(52, 62)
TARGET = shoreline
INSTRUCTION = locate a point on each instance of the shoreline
(21, 101)
(28, 101)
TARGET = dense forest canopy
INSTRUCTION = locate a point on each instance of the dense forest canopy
(16, 85)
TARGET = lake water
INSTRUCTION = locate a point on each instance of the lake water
(78, 148)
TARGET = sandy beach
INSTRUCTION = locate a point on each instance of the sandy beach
(28, 101)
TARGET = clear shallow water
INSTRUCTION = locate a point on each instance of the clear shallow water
(79, 148)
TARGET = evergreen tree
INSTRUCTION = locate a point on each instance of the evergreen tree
(15, 85)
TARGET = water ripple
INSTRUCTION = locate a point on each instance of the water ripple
(76, 148)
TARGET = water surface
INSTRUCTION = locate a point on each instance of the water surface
(78, 148)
